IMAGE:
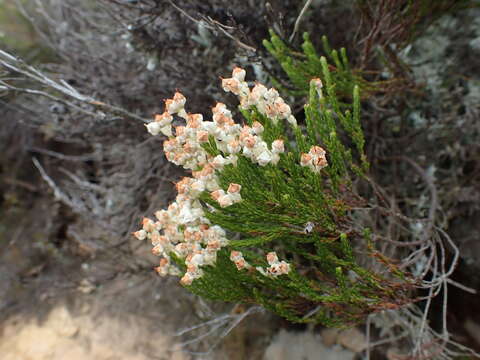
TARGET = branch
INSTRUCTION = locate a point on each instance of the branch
(16, 64)
(299, 19)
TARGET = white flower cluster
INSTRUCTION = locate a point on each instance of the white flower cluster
(315, 159)
(187, 234)
(240, 263)
(183, 229)
(185, 149)
(276, 267)
(267, 101)
(230, 197)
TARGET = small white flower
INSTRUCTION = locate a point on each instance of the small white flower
(232, 159)
(164, 119)
(218, 162)
(275, 159)
(234, 188)
(225, 200)
(239, 74)
(181, 250)
(271, 95)
(257, 128)
(197, 188)
(272, 258)
(258, 92)
(278, 146)
(202, 136)
(264, 158)
(197, 260)
(148, 225)
(187, 279)
(315, 159)
(186, 215)
(234, 192)
(154, 128)
(217, 194)
(175, 105)
(233, 147)
(231, 85)
(292, 121)
(140, 234)
(166, 130)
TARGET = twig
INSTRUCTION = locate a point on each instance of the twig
(61, 156)
(299, 19)
(15, 64)
(212, 24)
(23, 184)
(59, 194)
(367, 326)
(461, 286)
(223, 28)
(228, 320)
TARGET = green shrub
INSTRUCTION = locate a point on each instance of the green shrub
(266, 216)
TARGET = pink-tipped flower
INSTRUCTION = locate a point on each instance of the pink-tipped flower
(305, 159)
(175, 105)
(225, 200)
(239, 74)
(239, 261)
(233, 147)
(220, 108)
(250, 141)
(163, 268)
(234, 188)
(317, 151)
(278, 146)
(231, 85)
(317, 83)
(187, 279)
(234, 192)
(148, 225)
(217, 194)
(157, 250)
(283, 110)
(257, 128)
(257, 94)
(202, 136)
(315, 159)
(272, 257)
(140, 234)
(164, 119)
(170, 145)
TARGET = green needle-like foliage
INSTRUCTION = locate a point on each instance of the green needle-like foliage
(301, 67)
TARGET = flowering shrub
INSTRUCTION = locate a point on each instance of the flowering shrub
(301, 67)
(266, 215)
